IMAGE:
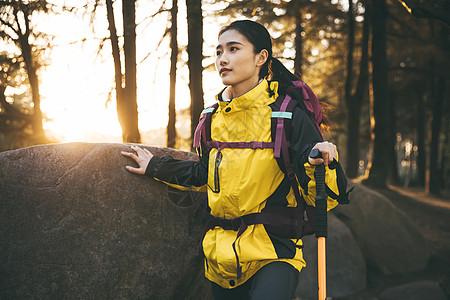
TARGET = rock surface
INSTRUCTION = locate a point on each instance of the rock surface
(75, 224)
(388, 238)
(346, 268)
(419, 290)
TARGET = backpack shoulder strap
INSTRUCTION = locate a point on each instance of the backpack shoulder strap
(282, 112)
(204, 129)
(281, 121)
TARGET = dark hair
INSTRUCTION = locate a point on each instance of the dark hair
(260, 38)
(273, 69)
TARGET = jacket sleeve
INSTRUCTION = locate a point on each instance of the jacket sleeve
(304, 136)
(180, 174)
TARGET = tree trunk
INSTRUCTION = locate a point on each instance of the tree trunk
(436, 124)
(391, 153)
(352, 108)
(351, 47)
(421, 151)
(354, 103)
(171, 130)
(117, 63)
(445, 154)
(130, 131)
(438, 82)
(38, 130)
(379, 169)
(195, 54)
(298, 60)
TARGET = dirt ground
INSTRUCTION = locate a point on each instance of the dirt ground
(432, 215)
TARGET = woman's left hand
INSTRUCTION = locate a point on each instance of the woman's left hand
(329, 153)
(142, 157)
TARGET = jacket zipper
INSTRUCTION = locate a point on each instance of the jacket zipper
(216, 172)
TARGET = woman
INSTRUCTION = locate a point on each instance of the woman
(255, 264)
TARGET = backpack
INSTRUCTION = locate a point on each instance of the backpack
(289, 222)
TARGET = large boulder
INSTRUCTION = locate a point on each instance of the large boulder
(75, 224)
(418, 290)
(346, 268)
(388, 238)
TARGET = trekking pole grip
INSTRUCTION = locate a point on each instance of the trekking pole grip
(321, 202)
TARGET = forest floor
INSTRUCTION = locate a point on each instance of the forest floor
(432, 216)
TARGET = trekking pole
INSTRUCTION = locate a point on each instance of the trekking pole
(321, 224)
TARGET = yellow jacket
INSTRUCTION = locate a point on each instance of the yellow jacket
(249, 179)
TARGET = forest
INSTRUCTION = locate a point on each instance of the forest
(379, 67)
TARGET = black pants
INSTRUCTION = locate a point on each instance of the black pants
(275, 281)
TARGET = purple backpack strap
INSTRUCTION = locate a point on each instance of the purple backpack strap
(281, 146)
(279, 132)
(239, 145)
(200, 130)
(289, 170)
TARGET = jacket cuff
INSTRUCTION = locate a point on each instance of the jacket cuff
(150, 170)
(305, 153)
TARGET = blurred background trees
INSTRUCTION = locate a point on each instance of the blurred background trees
(195, 59)
(379, 66)
(125, 84)
(17, 29)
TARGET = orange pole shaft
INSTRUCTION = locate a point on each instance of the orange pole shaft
(322, 268)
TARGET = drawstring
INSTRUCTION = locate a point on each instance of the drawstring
(241, 230)
(282, 221)
(227, 224)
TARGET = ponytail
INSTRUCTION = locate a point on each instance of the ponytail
(278, 72)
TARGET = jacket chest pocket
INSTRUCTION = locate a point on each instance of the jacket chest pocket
(213, 172)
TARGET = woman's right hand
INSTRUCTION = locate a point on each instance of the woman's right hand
(329, 153)
(142, 157)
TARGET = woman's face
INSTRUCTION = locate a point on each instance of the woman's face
(236, 61)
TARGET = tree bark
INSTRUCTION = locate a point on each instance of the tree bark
(421, 151)
(30, 66)
(438, 81)
(391, 153)
(351, 102)
(379, 170)
(171, 130)
(130, 130)
(117, 63)
(445, 154)
(114, 45)
(436, 124)
(351, 47)
(354, 103)
(195, 54)
(298, 60)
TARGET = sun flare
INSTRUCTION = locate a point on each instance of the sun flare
(77, 86)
